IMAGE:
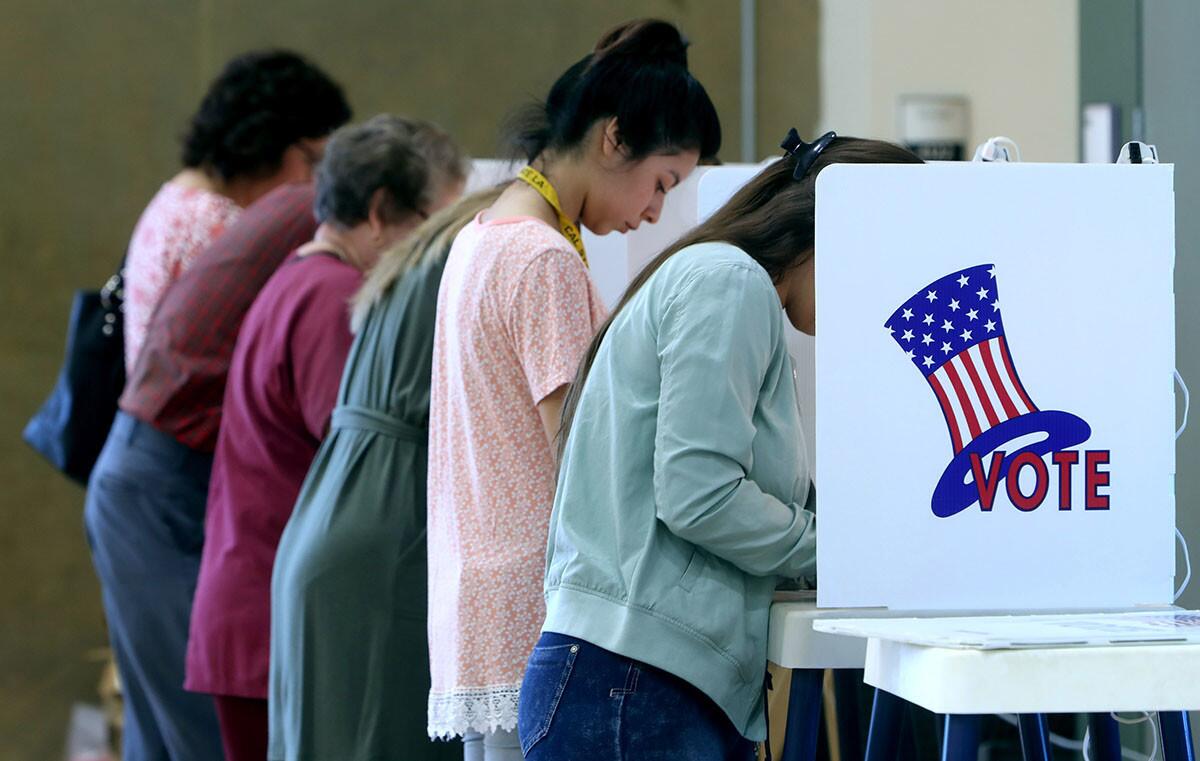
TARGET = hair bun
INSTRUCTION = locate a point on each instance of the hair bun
(646, 40)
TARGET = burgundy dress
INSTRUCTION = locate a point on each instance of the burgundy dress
(281, 391)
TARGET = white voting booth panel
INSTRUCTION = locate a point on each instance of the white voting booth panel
(969, 310)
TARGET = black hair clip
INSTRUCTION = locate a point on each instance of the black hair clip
(805, 153)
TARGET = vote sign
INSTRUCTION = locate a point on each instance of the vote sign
(994, 406)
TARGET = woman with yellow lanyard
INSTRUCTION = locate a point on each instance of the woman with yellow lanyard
(516, 311)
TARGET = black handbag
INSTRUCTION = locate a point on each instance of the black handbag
(70, 428)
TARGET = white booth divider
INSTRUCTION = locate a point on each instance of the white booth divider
(995, 413)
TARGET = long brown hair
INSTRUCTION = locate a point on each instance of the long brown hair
(432, 239)
(772, 219)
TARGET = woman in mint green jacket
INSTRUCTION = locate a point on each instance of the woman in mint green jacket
(682, 487)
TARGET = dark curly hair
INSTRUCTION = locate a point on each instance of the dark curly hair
(261, 103)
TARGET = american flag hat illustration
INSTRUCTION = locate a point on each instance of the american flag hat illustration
(952, 331)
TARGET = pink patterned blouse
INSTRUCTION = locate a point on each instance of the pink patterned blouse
(175, 227)
(516, 311)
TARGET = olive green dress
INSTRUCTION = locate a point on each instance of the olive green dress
(349, 653)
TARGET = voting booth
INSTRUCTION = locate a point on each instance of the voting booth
(992, 389)
(994, 386)
(993, 397)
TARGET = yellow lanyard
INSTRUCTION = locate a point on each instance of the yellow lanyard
(538, 182)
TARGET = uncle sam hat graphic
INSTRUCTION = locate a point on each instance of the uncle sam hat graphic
(953, 332)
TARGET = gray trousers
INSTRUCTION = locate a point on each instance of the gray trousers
(144, 517)
(492, 746)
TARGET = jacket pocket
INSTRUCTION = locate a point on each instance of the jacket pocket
(546, 677)
(694, 568)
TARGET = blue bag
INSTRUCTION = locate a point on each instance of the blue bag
(70, 428)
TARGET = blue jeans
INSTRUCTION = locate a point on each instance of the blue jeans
(582, 703)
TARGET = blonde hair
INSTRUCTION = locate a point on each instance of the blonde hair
(429, 241)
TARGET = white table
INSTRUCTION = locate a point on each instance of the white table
(1038, 680)
(793, 643)
(964, 683)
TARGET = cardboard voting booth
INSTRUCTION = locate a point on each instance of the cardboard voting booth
(994, 404)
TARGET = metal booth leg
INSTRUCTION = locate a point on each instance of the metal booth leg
(961, 740)
(1035, 737)
(846, 684)
(803, 715)
(1176, 736)
(883, 737)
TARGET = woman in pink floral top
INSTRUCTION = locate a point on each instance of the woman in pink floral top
(516, 311)
(254, 130)
(180, 221)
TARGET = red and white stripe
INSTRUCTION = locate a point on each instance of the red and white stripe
(979, 388)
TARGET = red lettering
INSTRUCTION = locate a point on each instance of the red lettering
(1021, 501)
(986, 484)
(1094, 478)
(1065, 461)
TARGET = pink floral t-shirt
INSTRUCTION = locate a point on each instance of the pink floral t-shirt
(177, 224)
(516, 312)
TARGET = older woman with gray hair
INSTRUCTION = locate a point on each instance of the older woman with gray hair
(377, 182)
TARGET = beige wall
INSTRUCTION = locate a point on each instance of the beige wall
(92, 99)
(1017, 62)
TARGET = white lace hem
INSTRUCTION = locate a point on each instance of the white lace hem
(473, 709)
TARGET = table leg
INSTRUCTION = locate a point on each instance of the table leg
(883, 737)
(1035, 738)
(1104, 736)
(961, 739)
(846, 684)
(1176, 736)
(803, 715)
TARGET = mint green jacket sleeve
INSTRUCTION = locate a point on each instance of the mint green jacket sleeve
(718, 340)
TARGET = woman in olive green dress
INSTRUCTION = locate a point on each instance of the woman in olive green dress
(349, 650)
